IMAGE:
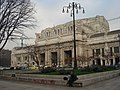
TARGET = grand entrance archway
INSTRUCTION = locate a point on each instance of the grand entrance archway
(42, 59)
(68, 58)
(54, 59)
(116, 60)
(98, 61)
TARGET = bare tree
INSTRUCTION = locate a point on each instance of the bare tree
(83, 59)
(15, 15)
(32, 51)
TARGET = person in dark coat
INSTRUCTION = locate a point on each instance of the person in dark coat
(71, 79)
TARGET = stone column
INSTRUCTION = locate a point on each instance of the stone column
(46, 57)
(21, 60)
(113, 60)
(59, 57)
(62, 57)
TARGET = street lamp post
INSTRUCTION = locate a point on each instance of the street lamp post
(72, 7)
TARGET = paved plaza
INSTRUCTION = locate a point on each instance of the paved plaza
(112, 84)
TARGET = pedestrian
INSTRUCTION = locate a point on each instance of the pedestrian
(72, 79)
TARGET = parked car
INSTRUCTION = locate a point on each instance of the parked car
(6, 68)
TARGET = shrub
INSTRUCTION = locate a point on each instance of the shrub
(93, 68)
(108, 68)
(96, 68)
(48, 70)
(64, 72)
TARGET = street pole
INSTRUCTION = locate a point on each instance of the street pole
(73, 6)
(75, 61)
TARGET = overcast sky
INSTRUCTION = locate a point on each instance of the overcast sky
(49, 14)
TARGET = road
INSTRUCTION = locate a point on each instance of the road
(112, 84)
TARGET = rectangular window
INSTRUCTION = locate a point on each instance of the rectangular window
(111, 51)
(117, 60)
(103, 52)
(97, 52)
(116, 49)
(93, 52)
(25, 58)
(19, 59)
(49, 34)
(55, 31)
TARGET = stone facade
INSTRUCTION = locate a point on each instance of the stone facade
(105, 47)
(54, 46)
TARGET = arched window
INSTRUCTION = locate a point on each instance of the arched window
(33, 63)
(61, 31)
(68, 29)
(58, 31)
(47, 33)
(71, 27)
(55, 32)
